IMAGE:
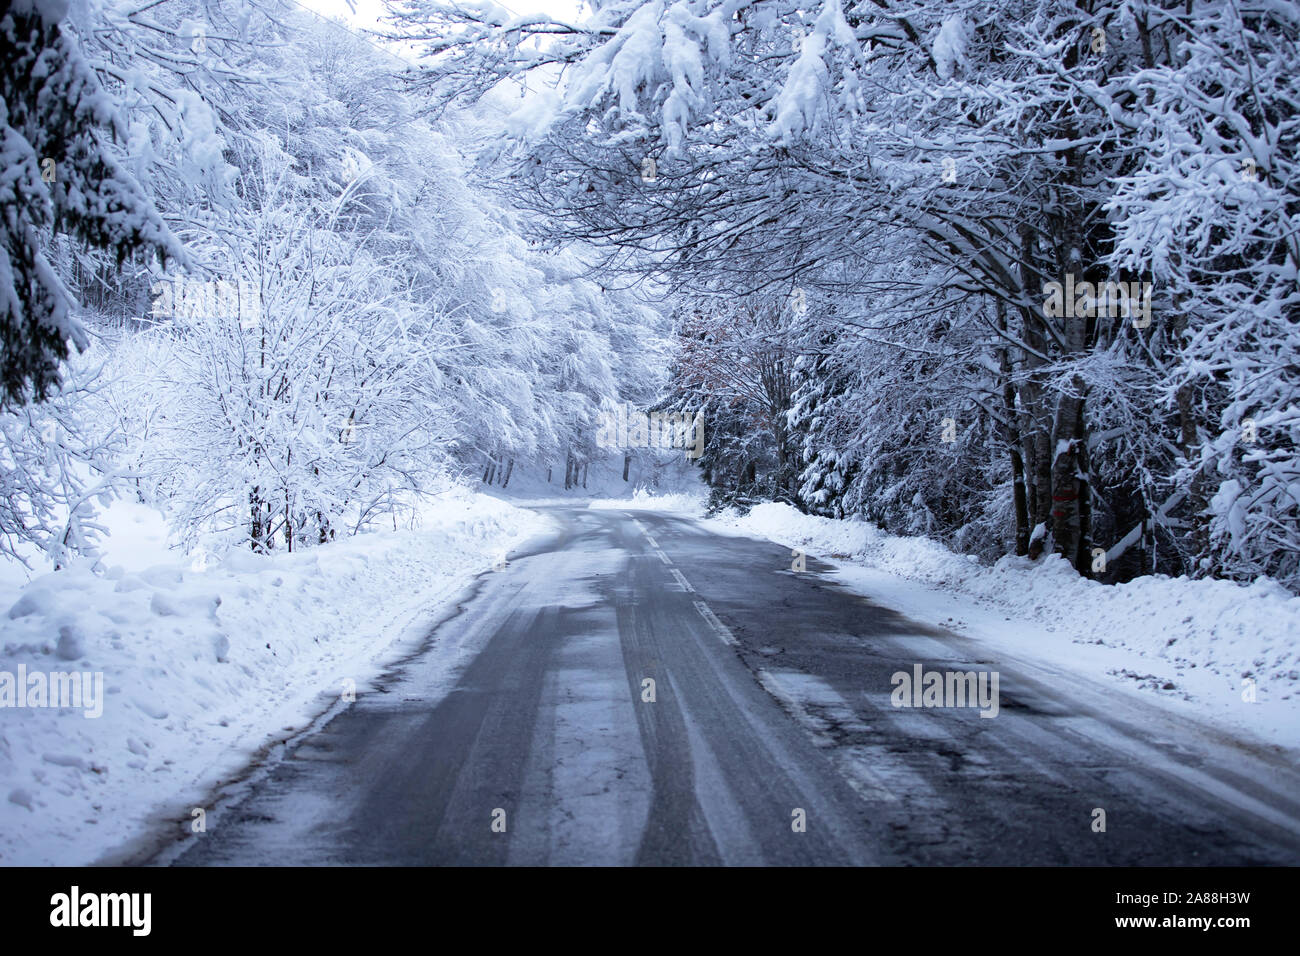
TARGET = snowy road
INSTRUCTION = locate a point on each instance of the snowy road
(771, 709)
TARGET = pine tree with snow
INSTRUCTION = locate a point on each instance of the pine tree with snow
(55, 177)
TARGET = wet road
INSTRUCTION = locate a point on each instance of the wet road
(645, 691)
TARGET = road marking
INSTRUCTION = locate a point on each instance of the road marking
(720, 629)
(649, 537)
(677, 575)
(663, 557)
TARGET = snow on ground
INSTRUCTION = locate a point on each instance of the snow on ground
(658, 474)
(646, 500)
(203, 667)
(1193, 645)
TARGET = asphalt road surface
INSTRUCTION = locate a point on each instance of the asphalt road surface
(768, 736)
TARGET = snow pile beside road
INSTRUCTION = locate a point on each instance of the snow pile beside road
(644, 499)
(1200, 642)
(201, 667)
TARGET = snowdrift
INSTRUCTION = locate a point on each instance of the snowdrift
(1207, 644)
(201, 667)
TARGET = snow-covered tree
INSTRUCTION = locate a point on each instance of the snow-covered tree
(306, 406)
(56, 178)
(935, 170)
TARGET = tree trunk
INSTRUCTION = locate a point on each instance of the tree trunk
(510, 466)
(288, 525)
(1065, 487)
(1198, 498)
(1021, 495)
(1043, 467)
(1036, 417)
(256, 522)
(627, 463)
(1069, 438)
(1012, 435)
(1083, 555)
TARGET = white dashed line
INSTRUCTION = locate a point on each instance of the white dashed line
(664, 558)
(677, 575)
(723, 632)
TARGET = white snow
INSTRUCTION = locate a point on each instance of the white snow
(1206, 638)
(643, 499)
(202, 668)
(799, 105)
(949, 47)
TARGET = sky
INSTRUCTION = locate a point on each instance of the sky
(368, 12)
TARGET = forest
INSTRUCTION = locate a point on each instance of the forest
(868, 214)
(293, 306)
(1016, 275)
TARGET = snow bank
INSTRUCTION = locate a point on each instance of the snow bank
(201, 667)
(1194, 643)
(646, 500)
(659, 475)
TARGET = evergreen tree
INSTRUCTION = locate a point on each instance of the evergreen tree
(55, 177)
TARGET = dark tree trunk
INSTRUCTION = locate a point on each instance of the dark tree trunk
(1036, 418)
(1012, 436)
(288, 525)
(1083, 555)
(1198, 490)
(1069, 434)
(1065, 486)
(257, 522)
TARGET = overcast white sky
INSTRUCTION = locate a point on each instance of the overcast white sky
(368, 14)
(369, 11)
